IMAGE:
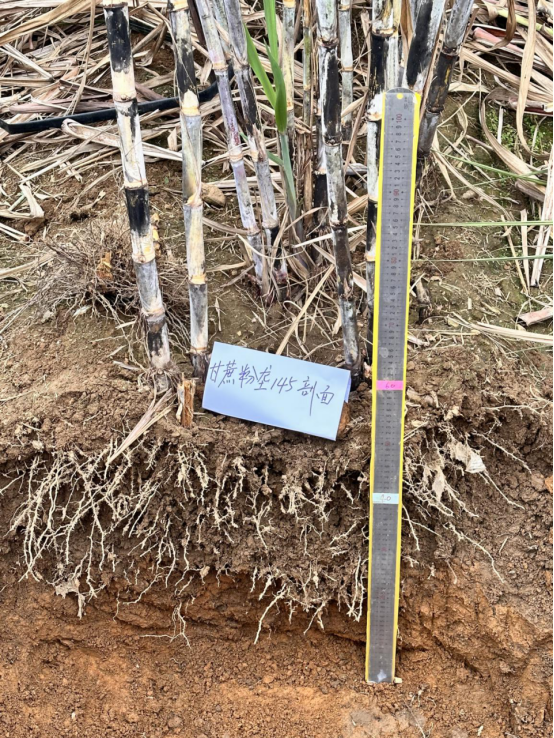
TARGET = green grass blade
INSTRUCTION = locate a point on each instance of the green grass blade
(503, 172)
(275, 159)
(280, 106)
(256, 64)
(271, 24)
(287, 170)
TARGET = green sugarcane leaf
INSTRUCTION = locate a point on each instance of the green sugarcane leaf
(275, 159)
(280, 106)
(271, 23)
(256, 64)
(289, 176)
(289, 183)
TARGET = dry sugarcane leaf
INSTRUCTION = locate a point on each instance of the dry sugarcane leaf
(156, 411)
(525, 249)
(69, 7)
(26, 62)
(513, 162)
(407, 25)
(77, 99)
(11, 272)
(545, 232)
(511, 27)
(499, 331)
(103, 137)
(305, 307)
(13, 233)
(526, 71)
(534, 93)
(34, 207)
(468, 87)
(444, 171)
(456, 172)
(508, 234)
(543, 49)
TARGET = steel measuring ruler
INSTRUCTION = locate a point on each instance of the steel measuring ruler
(397, 169)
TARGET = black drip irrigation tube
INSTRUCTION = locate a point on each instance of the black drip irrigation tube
(96, 116)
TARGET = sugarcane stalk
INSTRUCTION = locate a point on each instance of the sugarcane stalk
(221, 20)
(307, 63)
(217, 58)
(327, 25)
(307, 114)
(289, 18)
(255, 135)
(440, 83)
(383, 73)
(347, 66)
(320, 201)
(320, 177)
(116, 14)
(287, 144)
(427, 23)
(191, 141)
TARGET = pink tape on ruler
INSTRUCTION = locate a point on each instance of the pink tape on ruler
(390, 384)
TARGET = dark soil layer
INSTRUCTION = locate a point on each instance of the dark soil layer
(233, 530)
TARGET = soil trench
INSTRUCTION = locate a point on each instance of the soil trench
(211, 582)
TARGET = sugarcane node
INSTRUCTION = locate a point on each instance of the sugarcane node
(145, 256)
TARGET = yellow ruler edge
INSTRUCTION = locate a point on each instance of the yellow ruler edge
(415, 133)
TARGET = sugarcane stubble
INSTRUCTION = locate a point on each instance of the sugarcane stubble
(333, 127)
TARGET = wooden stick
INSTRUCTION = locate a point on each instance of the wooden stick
(545, 231)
